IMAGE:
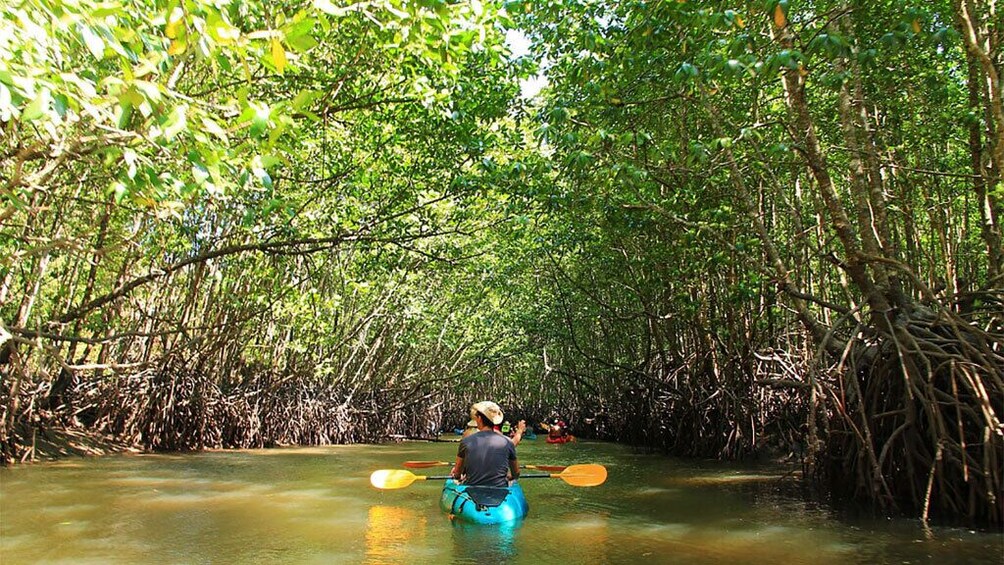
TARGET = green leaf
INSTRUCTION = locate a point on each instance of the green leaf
(149, 89)
(93, 41)
(214, 128)
(221, 30)
(304, 99)
(120, 191)
(61, 104)
(300, 26)
(686, 71)
(302, 43)
(259, 122)
(559, 114)
(298, 34)
(176, 122)
(124, 115)
(6, 105)
(269, 161)
(38, 107)
(272, 205)
(199, 170)
(130, 158)
(328, 8)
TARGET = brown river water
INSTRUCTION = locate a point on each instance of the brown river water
(315, 505)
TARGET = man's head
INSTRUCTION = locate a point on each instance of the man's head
(488, 411)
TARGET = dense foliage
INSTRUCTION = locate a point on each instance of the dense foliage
(724, 228)
(803, 196)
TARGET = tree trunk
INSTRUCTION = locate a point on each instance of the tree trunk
(984, 75)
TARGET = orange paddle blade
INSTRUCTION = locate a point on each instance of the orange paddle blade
(425, 464)
(589, 475)
(553, 468)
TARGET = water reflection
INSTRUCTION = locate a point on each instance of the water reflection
(481, 543)
(588, 533)
(389, 533)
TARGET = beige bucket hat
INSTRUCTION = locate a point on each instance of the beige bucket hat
(489, 409)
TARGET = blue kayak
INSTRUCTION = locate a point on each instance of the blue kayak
(482, 504)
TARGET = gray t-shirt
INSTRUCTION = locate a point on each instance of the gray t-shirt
(486, 458)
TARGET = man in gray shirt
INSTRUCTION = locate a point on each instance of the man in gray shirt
(485, 457)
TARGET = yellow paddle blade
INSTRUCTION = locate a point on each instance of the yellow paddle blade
(588, 475)
(393, 478)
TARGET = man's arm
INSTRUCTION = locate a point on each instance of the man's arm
(514, 468)
(518, 436)
(458, 468)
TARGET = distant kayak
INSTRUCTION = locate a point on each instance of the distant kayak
(482, 504)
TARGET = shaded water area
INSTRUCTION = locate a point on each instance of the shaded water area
(315, 505)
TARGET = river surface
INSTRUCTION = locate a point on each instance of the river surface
(315, 505)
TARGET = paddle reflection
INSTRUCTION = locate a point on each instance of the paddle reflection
(485, 543)
(389, 533)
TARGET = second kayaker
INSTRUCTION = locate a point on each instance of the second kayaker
(486, 457)
(472, 428)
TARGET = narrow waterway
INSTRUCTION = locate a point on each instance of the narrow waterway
(315, 505)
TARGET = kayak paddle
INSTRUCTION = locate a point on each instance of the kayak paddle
(555, 468)
(589, 475)
(397, 478)
(427, 464)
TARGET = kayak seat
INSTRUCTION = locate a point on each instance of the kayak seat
(488, 497)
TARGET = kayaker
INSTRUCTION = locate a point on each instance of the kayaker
(558, 432)
(517, 432)
(472, 428)
(556, 428)
(486, 457)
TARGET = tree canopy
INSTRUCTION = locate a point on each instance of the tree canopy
(723, 228)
